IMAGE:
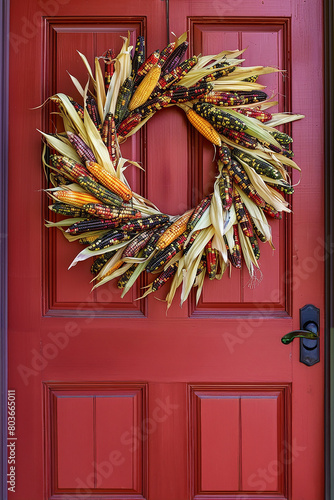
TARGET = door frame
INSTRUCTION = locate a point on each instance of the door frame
(329, 232)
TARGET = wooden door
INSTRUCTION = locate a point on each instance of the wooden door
(114, 399)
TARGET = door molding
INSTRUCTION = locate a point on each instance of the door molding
(4, 55)
(329, 231)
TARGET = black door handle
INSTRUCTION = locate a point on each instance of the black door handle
(308, 334)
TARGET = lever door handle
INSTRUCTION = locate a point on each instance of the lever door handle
(308, 334)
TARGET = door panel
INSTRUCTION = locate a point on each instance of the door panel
(116, 399)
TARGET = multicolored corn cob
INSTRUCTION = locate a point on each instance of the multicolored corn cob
(110, 181)
(243, 216)
(93, 225)
(174, 58)
(257, 113)
(255, 246)
(108, 135)
(126, 276)
(109, 240)
(198, 212)
(137, 244)
(129, 124)
(64, 209)
(282, 138)
(162, 279)
(162, 257)
(224, 154)
(226, 189)
(93, 112)
(151, 244)
(84, 151)
(211, 260)
(171, 78)
(179, 94)
(240, 177)
(101, 192)
(165, 53)
(74, 198)
(234, 254)
(100, 261)
(123, 99)
(108, 212)
(144, 224)
(241, 138)
(146, 66)
(218, 117)
(223, 98)
(69, 166)
(218, 73)
(252, 96)
(78, 108)
(260, 166)
(138, 56)
(269, 210)
(108, 68)
(153, 105)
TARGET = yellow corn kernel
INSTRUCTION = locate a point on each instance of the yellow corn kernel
(174, 231)
(74, 198)
(145, 88)
(204, 127)
(109, 181)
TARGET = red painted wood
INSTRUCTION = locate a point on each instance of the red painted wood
(75, 455)
(220, 443)
(232, 338)
(118, 451)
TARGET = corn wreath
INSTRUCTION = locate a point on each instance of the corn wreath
(126, 234)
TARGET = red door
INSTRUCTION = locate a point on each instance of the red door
(114, 399)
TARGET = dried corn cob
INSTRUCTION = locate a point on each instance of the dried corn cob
(242, 138)
(175, 230)
(93, 225)
(257, 231)
(255, 246)
(126, 276)
(108, 135)
(165, 53)
(219, 73)
(223, 98)
(252, 96)
(61, 179)
(260, 166)
(282, 138)
(252, 79)
(211, 260)
(243, 216)
(84, 151)
(74, 198)
(100, 261)
(224, 154)
(269, 210)
(88, 240)
(64, 209)
(153, 221)
(218, 117)
(288, 153)
(202, 264)
(153, 105)
(146, 66)
(123, 99)
(226, 190)
(234, 254)
(108, 212)
(257, 113)
(128, 124)
(93, 112)
(184, 94)
(116, 266)
(198, 212)
(204, 127)
(137, 244)
(78, 108)
(69, 166)
(175, 75)
(164, 277)
(285, 188)
(108, 68)
(240, 177)
(162, 257)
(102, 193)
(191, 242)
(145, 88)
(138, 56)
(109, 239)
(151, 244)
(110, 181)
(174, 58)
